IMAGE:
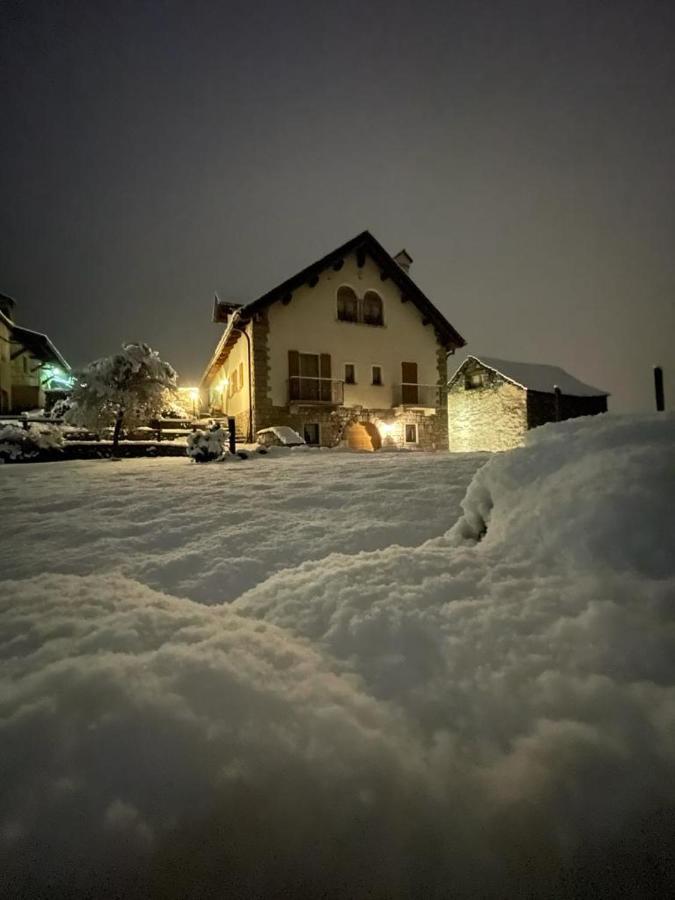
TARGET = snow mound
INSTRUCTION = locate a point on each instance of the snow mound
(490, 713)
(286, 436)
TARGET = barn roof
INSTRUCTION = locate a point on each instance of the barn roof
(535, 377)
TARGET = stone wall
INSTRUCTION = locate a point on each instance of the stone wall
(490, 417)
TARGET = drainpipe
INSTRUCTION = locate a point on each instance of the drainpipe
(250, 383)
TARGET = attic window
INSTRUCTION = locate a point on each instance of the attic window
(367, 310)
(372, 308)
(347, 305)
(474, 380)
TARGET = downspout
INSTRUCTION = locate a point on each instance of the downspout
(250, 383)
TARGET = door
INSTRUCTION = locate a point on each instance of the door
(409, 386)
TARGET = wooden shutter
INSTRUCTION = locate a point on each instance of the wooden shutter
(409, 392)
(324, 371)
(293, 375)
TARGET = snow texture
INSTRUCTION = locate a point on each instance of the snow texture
(287, 436)
(402, 698)
(538, 377)
(17, 442)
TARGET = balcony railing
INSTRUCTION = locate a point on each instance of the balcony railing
(425, 396)
(305, 389)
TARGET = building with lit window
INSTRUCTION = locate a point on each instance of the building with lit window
(492, 403)
(349, 350)
(31, 368)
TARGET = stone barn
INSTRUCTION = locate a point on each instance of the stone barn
(493, 402)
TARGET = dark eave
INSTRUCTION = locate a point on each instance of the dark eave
(39, 345)
(365, 242)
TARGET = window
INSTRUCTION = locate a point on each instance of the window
(241, 376)
(368, 311)
(474, 380)
(347, 305)
(411, 434)
(350, 373)
(377, 375)
(311, 433)
(372, 308)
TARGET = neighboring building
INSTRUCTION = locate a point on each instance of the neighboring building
(493, 402)
(349, 349)
(31, 368)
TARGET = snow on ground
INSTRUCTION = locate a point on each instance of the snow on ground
(401, 698)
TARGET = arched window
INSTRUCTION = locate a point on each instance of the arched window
(372, 309)
(347, 305)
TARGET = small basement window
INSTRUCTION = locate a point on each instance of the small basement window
(411, 434)
(377, 375)
(311, 433)
(350, 373)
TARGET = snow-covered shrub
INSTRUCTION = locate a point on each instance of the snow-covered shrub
(61, 408)
(124, 390)
(207, 445)
(17, 442)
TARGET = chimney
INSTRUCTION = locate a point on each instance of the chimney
(404, 260)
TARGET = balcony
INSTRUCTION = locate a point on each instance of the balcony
(320, 391)
(420, 396)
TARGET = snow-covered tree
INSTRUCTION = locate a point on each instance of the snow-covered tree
(123, 390)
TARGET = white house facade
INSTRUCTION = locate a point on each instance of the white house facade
(348, 350)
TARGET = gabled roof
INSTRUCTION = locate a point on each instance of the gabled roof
(364, 243)
(534, 377)
(39, 345)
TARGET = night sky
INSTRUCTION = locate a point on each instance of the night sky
(523, 152)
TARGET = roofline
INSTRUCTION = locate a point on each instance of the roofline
(449, 336)
(517, 383)
(59, 357)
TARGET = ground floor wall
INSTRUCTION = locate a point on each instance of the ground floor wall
(405, 428)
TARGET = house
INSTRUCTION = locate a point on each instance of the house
(493, 402)
(347, 350)
(31, 368)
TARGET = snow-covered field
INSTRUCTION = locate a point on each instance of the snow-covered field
(315, 674)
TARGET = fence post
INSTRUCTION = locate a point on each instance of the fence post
(558, 411)
(658, 389)
(232, 433)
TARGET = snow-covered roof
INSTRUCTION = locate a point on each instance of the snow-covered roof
(536, 377)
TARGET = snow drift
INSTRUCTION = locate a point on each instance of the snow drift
(490, 713)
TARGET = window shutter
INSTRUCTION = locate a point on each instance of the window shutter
(409, 372)
(409, 392)
(324, 370)
(293, 375)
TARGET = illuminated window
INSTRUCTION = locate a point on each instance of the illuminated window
(347, 305)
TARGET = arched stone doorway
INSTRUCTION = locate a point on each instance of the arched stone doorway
(362, 436)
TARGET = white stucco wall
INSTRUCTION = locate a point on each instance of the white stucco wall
(309, 324)
(238, 402)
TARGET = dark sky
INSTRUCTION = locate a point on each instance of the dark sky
(523, 152)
